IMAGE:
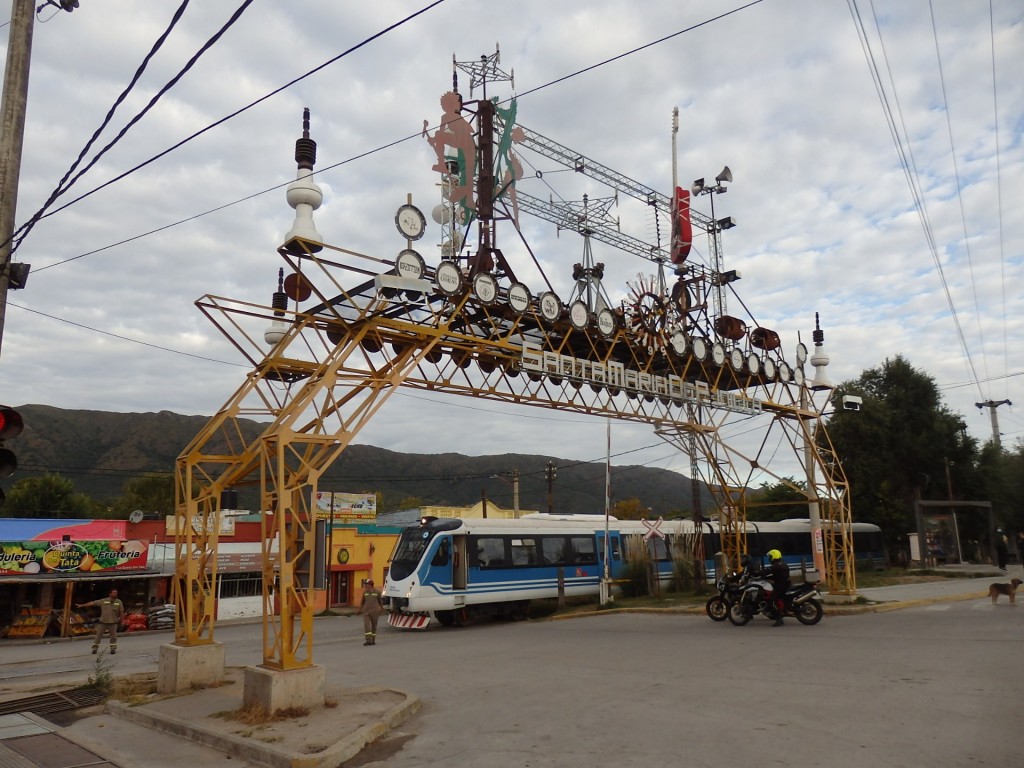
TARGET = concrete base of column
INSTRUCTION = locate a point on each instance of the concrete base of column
(183, 667)
(274, 690)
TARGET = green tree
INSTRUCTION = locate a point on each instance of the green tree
(1002, 480)
(49, 495)
(149, 493)
(409, 502)
(779, 501)
(630, 509)
(900, 446)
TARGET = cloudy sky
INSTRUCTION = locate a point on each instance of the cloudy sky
(876, 150)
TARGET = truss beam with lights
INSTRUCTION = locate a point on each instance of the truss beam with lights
(353, 328)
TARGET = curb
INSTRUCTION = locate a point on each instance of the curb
(267, 754)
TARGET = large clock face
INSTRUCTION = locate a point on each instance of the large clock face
(409, 264)
(485, 287)
(606, 323)
(679, 342)
(448, 278)
(410, 222)
(801, 353)
(718, 353)
(519, 298)
(700, 349)
(550, 306)
(579, 315)
(736, 359)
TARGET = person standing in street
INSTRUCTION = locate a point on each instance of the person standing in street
(111, 611)
(371, 608)
(1002, 549)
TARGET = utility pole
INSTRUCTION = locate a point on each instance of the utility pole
(551, 473)
(515, 492)
(992, 405)
(12, 133)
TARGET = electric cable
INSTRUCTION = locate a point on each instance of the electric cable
(239, 111)
(25, 228)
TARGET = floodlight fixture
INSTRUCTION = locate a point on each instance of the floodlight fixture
(724, 278)
(727, 223)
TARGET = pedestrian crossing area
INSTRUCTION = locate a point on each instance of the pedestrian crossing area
(976, 605)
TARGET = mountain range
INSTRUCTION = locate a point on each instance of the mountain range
(98, 451)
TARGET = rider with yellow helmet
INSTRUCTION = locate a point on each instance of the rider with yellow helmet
(779, 575)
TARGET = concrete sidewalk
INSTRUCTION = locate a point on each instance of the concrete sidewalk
(957, 586)
(202, 726)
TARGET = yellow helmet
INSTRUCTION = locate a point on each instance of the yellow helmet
(774, 554)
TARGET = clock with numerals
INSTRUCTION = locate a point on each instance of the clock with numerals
(410, 222)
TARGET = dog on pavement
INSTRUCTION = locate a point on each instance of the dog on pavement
(1010, 590)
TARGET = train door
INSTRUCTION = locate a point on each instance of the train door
(615, 552)
(459, 562)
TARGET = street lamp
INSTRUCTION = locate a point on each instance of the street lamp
(698, 189)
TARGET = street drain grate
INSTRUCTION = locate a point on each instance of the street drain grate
(47, 703)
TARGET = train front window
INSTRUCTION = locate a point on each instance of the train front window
(411, 546)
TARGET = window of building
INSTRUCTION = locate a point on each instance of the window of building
(246, 584)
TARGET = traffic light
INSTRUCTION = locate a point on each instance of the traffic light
(11, 425)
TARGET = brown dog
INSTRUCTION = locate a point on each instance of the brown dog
(1010, 590)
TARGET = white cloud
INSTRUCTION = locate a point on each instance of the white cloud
(779, 92)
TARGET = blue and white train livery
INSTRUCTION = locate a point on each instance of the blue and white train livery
(456, 569)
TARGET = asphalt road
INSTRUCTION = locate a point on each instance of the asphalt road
(937, 685)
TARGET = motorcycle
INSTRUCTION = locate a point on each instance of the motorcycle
(730, 589)
(801, 601)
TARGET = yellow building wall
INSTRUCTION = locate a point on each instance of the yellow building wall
(360, 552)
(493, 511)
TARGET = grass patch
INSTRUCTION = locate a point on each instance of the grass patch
(256, 715)
(102, 678)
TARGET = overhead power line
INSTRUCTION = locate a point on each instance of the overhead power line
(237, 112)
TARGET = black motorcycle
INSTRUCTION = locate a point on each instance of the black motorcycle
(730, 589)
(801, 601)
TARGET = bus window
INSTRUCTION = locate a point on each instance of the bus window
(490, 551)
(658, 548)
(553, 549)
(584, 550)
(524, 551)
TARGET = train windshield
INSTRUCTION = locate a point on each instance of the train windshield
(412, 545)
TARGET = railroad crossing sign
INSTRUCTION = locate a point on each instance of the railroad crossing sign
(653, 529)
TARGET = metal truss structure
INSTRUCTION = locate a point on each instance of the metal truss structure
(349, 329)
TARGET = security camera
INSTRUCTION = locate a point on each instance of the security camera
(851, 403)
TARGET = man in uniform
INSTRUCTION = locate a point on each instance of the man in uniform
(371, 608)
(111, 611)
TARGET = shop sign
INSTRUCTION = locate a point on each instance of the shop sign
(201, 524)
(343, 507)
(29, 557)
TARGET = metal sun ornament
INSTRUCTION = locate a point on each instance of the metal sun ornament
(648, 314)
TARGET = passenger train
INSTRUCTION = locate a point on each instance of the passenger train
(455, 569)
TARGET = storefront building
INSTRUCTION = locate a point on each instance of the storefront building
(47, 567)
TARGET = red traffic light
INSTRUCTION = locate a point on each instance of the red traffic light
(11, 423)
